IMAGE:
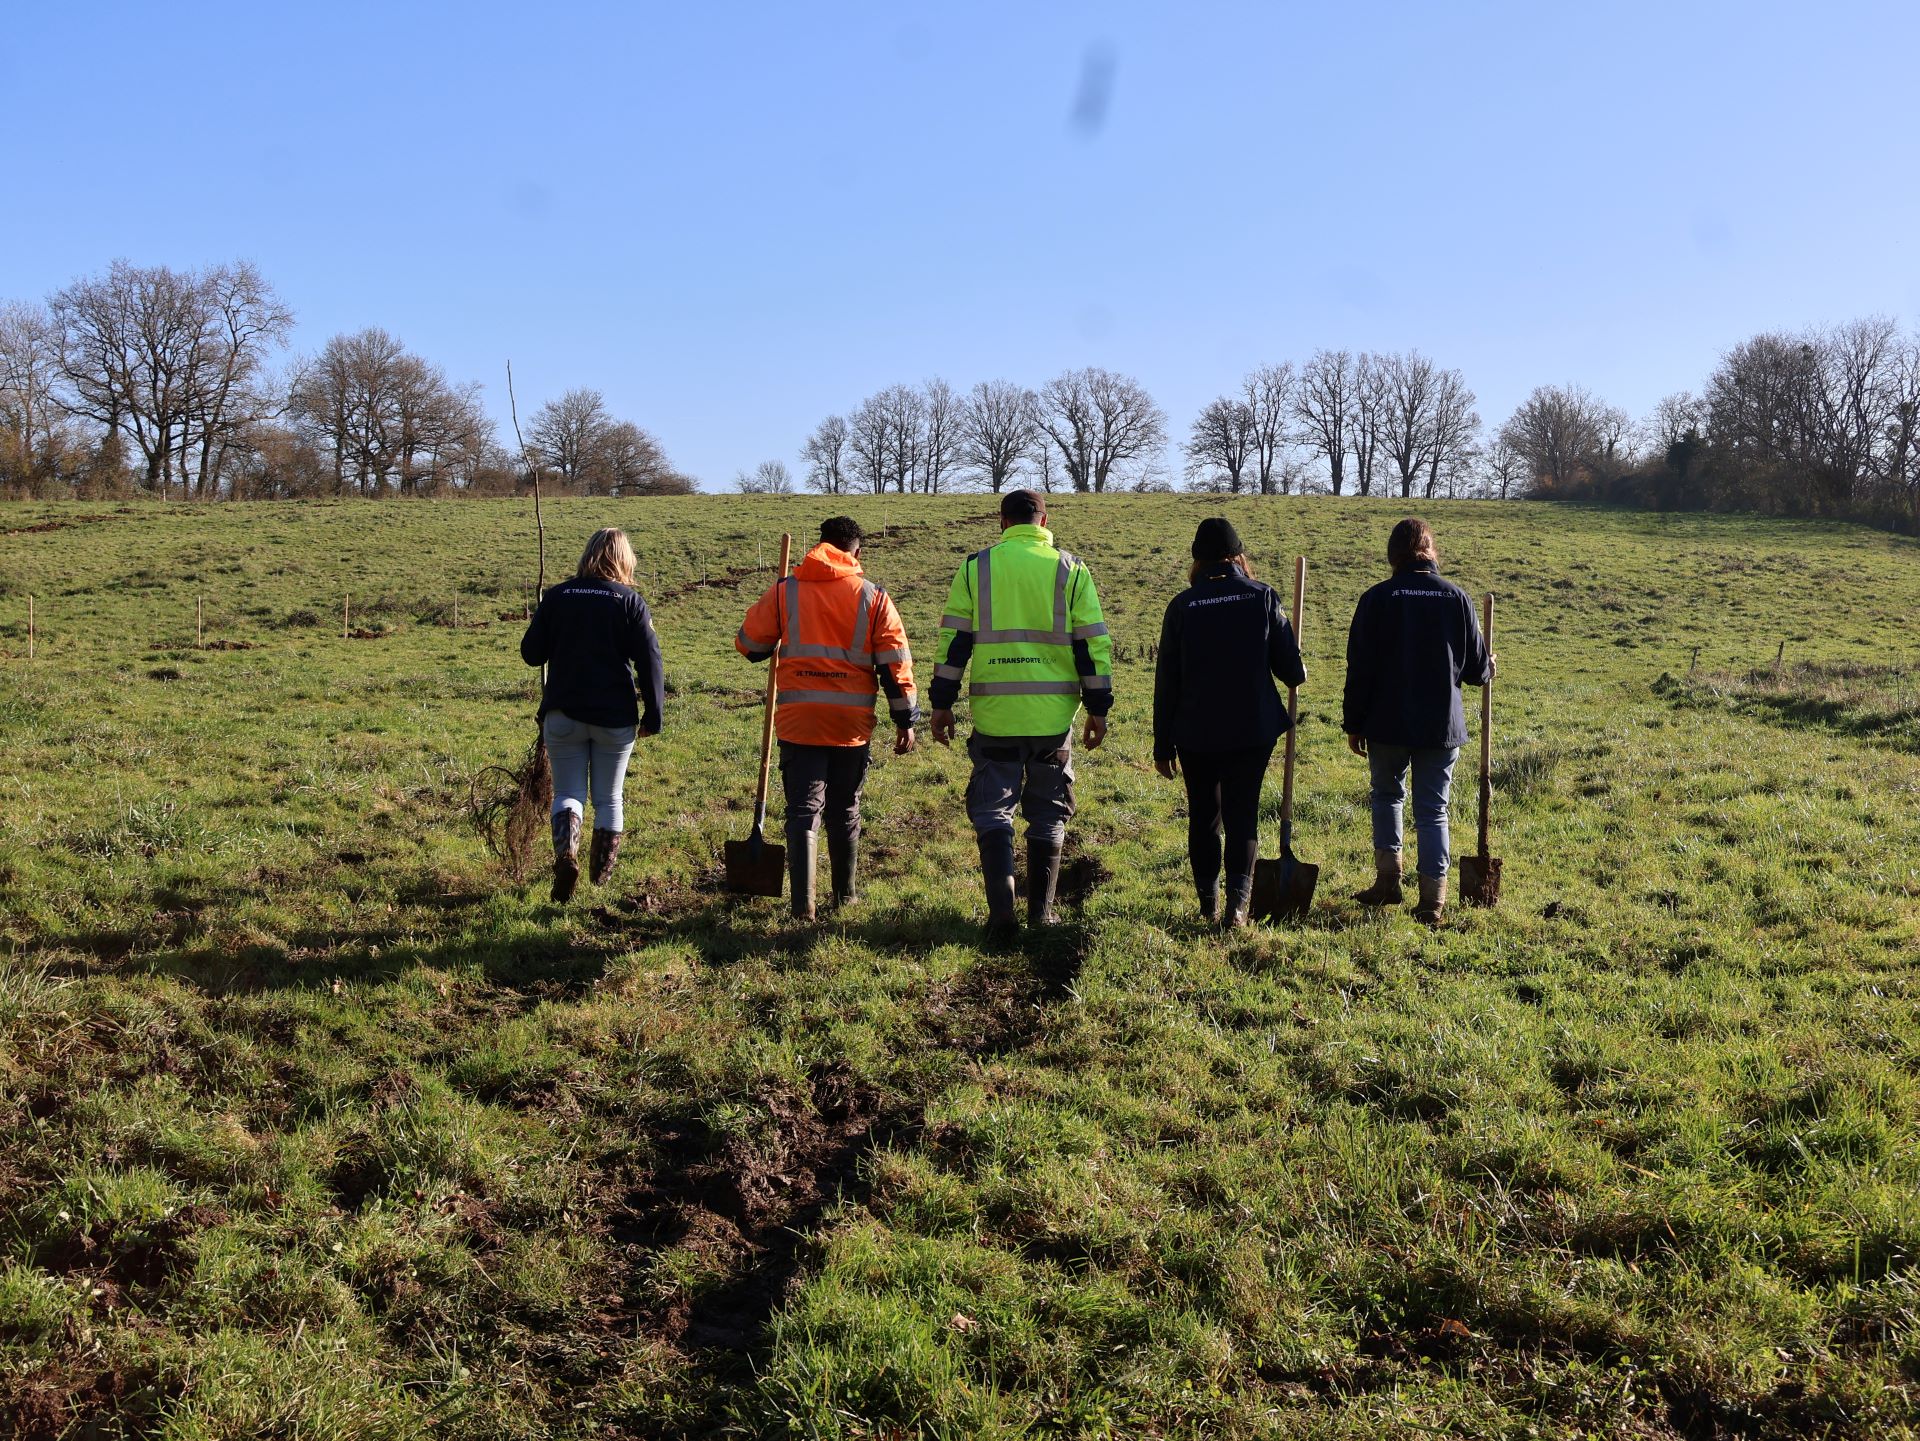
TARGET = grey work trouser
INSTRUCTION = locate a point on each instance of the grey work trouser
(1034, 773)
(823, 779)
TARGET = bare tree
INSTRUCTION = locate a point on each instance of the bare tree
(1269, 394)
(1503, 468)
(942, 422)
(1102, 424)
(1561, 432)
(1324, 404)
(1675, 418)
(769, 477)
(1366, 421)
(826, 458)
(998, 427)
(869, 432)
(1221, 444)
(30, 420)
(636, 464)
(1406, 420)
(902, 412)
(166, 357)
(1453, 428)
(385, 418)
(562, 434)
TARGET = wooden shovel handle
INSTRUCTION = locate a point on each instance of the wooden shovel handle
(1486, 730)
(773, 682)
(1293, 708)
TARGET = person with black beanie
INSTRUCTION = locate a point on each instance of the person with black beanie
(1217, 713)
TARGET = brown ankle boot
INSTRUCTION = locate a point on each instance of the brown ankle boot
(1433, 900)
(566, 855)
(1385, 890)
(606, 850)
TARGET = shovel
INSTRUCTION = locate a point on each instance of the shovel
(755, 868)
(1480, 875)
(1283, 889)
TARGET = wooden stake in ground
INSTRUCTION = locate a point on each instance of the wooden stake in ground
(199, 634)
(29, 627)
(346, 610)
(456, 610)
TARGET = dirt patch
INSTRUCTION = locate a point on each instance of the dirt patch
(145, 1256)
(749, 1203)
(229, 645)
(986, 1010)
(46, 1403)
(50, 525)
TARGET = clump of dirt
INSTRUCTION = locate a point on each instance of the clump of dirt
(986, 1010)
(145, 1255)
(228, 645)
(164, 672)
(748, 1203)
(46, 1403)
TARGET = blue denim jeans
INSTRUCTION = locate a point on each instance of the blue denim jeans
(1432, 786)
(585, 756)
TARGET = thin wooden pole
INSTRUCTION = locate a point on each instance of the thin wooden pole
(29, 627)
(346, 612)
(456, 610)
(199, 634)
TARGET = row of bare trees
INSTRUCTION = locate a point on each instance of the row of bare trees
(175, 383)
(1086, 430)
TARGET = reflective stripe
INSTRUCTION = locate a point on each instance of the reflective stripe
(1097, 682)
(860, 621)
(949, 672)
(752, 646)
(955, 622)
(889, 657)
(1088, 632)
(791, 629)
(829, 652)
(1060, 593)
(826, 697)
(1025, 687)
(1023, 637)
(983, 602)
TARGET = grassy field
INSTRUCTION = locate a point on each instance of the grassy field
(312, 1125)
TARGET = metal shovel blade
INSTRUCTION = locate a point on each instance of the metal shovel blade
(1283, 888)
(1480, 880)
(755, 868)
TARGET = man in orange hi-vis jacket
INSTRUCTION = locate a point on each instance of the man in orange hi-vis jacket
(841, 642)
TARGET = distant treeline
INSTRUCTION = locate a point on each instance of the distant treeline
(167, 383)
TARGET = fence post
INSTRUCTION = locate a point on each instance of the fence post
(29, 627)
(199, 635)
(346, 612)
(456, 610)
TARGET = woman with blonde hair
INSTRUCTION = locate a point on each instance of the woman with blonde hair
(1216, 712)
(593, 634)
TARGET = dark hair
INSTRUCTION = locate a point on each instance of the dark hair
(1022, 507)
(1202, 568)
(842, 532)
(1411, 540)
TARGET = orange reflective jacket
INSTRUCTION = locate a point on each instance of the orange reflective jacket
(841, 641)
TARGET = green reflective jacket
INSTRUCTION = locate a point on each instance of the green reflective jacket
(1027, 617)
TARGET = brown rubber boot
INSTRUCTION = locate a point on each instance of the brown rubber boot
(566, 855)
(1043, 876)
(606, 850)
(1433, 900)
(1385, 890)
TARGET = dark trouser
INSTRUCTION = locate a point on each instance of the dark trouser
(1033, 772)
(823, 778)
(1223, 790)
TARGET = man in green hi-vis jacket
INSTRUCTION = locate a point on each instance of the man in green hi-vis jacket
(1027, 617)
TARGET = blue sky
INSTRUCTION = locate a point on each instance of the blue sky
(733, 219)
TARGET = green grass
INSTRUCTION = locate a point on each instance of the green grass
(312, 1126)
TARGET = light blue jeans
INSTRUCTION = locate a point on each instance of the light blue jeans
(1432, 788)
(583, 755)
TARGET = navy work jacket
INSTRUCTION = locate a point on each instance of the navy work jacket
(596, 640)
(1223, 643)
(1412, 645)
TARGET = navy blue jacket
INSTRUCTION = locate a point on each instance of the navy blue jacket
(1412, 645)
(595, 638)
(1223, 644)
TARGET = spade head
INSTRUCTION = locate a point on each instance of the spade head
(1283, 888)
(755, 868)
(1480, 880)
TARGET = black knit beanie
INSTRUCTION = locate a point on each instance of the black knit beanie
(1216, 540)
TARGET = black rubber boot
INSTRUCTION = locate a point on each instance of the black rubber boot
(996, 870)
(843, 859)
(1239, 897)
(1385, 890)
(1209, 900)
(801, 854)
(566, 855)
(1043, 875)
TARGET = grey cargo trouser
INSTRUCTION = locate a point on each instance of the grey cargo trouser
(1033, 772)
(821, 779)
